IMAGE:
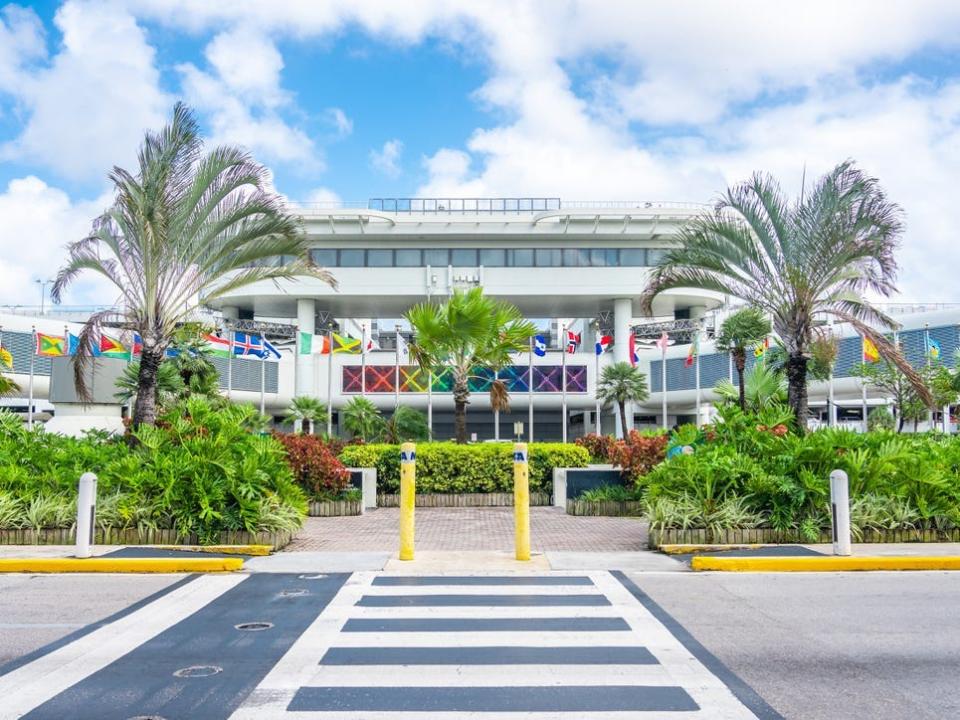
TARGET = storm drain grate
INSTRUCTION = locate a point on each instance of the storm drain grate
(198, 671)
(254, 626)
(296, 592)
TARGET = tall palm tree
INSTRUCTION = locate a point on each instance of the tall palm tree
(362, 419)
(186, 227)
(743, 329)
(305, 410)
(468, 332)
(796, 262)
(621, 383)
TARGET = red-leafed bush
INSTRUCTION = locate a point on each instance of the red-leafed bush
(315, 466)
(600, 447)
(639, 454)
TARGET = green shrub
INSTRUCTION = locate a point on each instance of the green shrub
(614, 493)
(446, 467)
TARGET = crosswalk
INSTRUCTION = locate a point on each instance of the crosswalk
(372, 645)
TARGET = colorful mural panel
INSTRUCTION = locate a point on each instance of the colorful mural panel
(546, 379)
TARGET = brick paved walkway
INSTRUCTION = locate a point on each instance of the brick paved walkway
(472, 529)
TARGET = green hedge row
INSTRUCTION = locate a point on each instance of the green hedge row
(444, 467)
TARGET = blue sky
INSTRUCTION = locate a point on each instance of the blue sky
(352, 99)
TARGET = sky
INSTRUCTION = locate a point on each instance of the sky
(582, 100)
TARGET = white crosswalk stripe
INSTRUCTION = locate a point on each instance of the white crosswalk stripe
(439, 671)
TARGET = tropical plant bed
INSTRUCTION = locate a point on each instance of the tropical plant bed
(751, 536)
(607, 508)
(334, 508)
(493, 499)
(133, 536)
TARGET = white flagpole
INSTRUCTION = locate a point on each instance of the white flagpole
(33, 356)
(596, 388)
(330, 385)
(430, 402)
(363, 361)
(530, 393)
(263, 374)
(697, 361)
(396, 373)
(496, 414)
(563, 373)
(663, 383)
(230, 362)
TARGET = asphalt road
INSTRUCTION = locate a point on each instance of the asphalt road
(853, 645)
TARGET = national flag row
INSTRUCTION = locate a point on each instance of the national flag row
(604, 343)
(242, 344)
(334, 343)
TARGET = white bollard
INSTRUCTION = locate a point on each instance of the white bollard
(86, 513)
(840, 512)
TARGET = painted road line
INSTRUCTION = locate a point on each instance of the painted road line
(825, 563)
(481, 589)
(483, 600)
(119, 565)
(480, 611)
(569, 699)
(489, 655)
(493, 580)
(34, 683)
(460, 638)
(486, 625)
(205, 665)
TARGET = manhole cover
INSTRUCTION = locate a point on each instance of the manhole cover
(147, 717)
(254, 626)
(296, 592)
(198, 671)
(313, 577)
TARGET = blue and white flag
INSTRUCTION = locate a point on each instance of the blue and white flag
(539, 345)
(244, 344)
(269, 350)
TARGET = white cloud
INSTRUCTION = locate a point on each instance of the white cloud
(338, 118)
(322, 195)
(36, 223)
(87, 109)
(21, 41)
(387, 159)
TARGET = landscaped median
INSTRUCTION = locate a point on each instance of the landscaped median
(120, 565)
(825, 563)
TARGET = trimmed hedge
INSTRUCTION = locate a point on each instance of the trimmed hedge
(445, 467)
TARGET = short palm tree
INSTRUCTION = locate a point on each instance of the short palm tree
(362, 419)
(194, 362)
(761, 387)
(305, 410)
(743, 329)
(621, 383)
(796, 262)
(170, 385)
(467, 332)
(186, 227)
(407, 424)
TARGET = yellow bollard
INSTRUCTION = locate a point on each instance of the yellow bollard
(408, 495)
(521, 501)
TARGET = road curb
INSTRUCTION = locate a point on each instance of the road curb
(824, 563)
(252, 550)
(693, 548)
(119, 565)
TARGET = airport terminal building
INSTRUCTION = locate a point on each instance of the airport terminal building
(577, 265)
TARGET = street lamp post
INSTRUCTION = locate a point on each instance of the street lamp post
(43, 293)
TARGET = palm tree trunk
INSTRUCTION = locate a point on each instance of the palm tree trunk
(740, 360)
(797, 388)
(145, 407)
(900, 420)
(460, 394)
(623, 419)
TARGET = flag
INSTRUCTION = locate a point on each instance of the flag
(220, 347)
(634, 350)
(6, 359)
(603, 344)
(50, 345)
(870, 352)
(269, 350)
(573, 341)
(403, 349)
(314, 344)
(933, 348)
(73, 343)
(137, 348)
(663, 341)
(539, 345)
(244, 344)
(346, 344)
(694, 350)
(109, 347)
(761, 348)
(368, 343)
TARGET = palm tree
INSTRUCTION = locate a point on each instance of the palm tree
(170, 385)
(761, 386)
(796, 262)
(362, 419)
(186, 227)
(621, 383)
(467, 332)
(193, 362)
(304, 409)
(406, 425)
(743, 329)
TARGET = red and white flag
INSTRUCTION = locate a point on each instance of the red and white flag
(663, 341)
(603, 344)
(634, 350)
(573, 341)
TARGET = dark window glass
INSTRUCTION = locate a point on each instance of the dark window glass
(493, 257)
(351, 258)
(574, 257)
(436, 257)
(548, 257)
(655, 256)
(463, 258)
(379, 258)
(407, 258)
(600, 257)
(324, 258)
(521, 258)
(633, 257)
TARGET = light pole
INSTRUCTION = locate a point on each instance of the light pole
(43, 292)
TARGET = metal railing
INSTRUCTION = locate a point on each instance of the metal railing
(484, 206)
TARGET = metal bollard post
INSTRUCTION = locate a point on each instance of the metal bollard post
(408, 495)
(86, 513)
(521, 501)
(840, 512)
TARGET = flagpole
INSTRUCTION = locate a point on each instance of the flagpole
(330, 385)
(530, 392)
(596, 388)
(430, 403)
(263, 374)
(396, 372)
(663, 382)
(926, 351)
(363, 361)
(563, 373)
(230, 362)
(697, 361)
(33, 356)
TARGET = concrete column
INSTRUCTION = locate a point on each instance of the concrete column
(622, 317)
(306, 314)
(230, 312)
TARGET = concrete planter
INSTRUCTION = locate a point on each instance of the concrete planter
(131, 536)
(333, 508)
(694, 536)
(500, 499)
(607, 508)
